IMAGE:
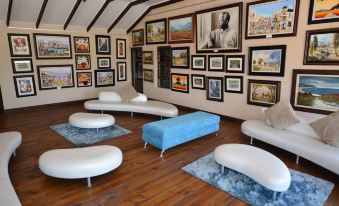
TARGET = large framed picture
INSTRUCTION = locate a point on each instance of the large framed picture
(198, 62)
(122, 72)
(138, 37)
(81, 44)
(219, 29)
(315, 91)
(323, 11)
(52, 46)
(267, 60)
(216, 63)
(156, 31)
(180, 82)
(234, 84)
(103, 44)
(24, 86)
(149, 75)
(181, 29)
(82, 61)
(19, 45)
(235, 63)
(84, 79)
(180, 57)
(121, 48)
(198, 81)
(104, 62)
(104, 78)
(263, 92)
(147, 57)
(322, 47)
(215, 91)
(55, 76)
(272, 18)
(22, 65)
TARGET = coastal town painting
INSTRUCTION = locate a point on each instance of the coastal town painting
(263, 92)
(52, 46)
(156, 31)
(55, 76)
(180, 82)
(181, 29)
(180, 57)
(323, 11)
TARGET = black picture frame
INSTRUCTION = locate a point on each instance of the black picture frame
(312, 21)
(277, 84)
(18, 95)
(187, 50)
(197, 68)
(22, 59)
(187, 86)
(222, 57)
(53, 66)
(69, 44)
(165, 31)
(103, 51)
(199, 76)
(9, 35)
(221, 89)
(118, 56)
(142, 36)
(88, 73)
(240, 78)
(103, 58)
(104, 85)
(227, 66)
(84, 55)
(76, 49)
(119, 79)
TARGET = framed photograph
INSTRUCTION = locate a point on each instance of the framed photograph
(219, 29)
(267, 60)
(122, 72)
(180, 82)
(103, 44)
(52, 46)
(55, 76)
(81, 44)
(121, 48)
(234, 84)
(263, 93)
(104, 78)
(198, 62)
(272, 18)
(198, 81)
(323, 11)
(84, 79)
(147, 57)
(315, 91)
(216, 63)
(322, 47)
(215, 91)
(22, 65)
(19, 45)
(149, 75)
(104, 62)
(138, 38)
(156, 31)
(82, 61)
(181, 29)
(180, 57)
(24, 86)
(235, 63)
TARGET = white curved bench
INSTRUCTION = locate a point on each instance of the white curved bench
(9, 141)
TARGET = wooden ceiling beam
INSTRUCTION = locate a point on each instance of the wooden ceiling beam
(42, 10)
(9, 11)
(75, 8)
(102, 9)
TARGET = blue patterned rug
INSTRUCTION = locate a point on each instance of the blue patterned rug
(305, 189)
(84, 137)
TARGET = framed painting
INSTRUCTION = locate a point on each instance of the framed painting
(52, 46)
(263, 92)
(198, 81)
(181, 29)
(138, 37)
(19, 45)
(235, 63)
(55, 76)
(216, 63)
(122, 72)
(103, 44)
(322, 47)
(234, 84)
(81, 44)
(84, 79)
(215, 91)
(24, 86)
(147, 57)
(148, 75)
(104, 78)
(22, 65)
(219, 29)
(323, 11)
(180, 57)
(82, 61)
(315, 91)
(198, 62)
(104, 62)
(156, 31)
(272, 18)
(267, 60)
(121, 48)
(180, 82)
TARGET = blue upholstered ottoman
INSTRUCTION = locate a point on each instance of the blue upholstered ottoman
(168, 133)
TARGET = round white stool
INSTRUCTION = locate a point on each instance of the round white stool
(91, 120)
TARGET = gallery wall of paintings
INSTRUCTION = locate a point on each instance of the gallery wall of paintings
(235, 57)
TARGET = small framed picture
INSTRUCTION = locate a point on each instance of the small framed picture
(263, 92)
(82, 61)
(234, 84)
(52, 46)
(147, 57)
(103, 44)
(104, 78)
(216, 63)
(55, 76)
(104, 62)
(22, 65)
(84, 79)
(122, 73)
(198, 81)
(180, 82)
(156, 31)
(19, 45)
(24, 86)
(181, 29)
(81, 44)
(199, 62)
(148, 75)
(215, 91)
(138, 37)
(323, 11)
(235, 63)
(180, 57)
(121, 48)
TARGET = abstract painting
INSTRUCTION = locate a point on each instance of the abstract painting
(215, 91)
(180, 82)
(323, 11)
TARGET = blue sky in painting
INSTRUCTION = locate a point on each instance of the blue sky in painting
(269, 8)
(324, 38)
(320, 82)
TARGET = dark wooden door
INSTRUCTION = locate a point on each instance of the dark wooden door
(137, 69)
(164, 67)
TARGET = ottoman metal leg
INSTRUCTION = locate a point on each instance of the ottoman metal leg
(145, 145)
(162, 152)
(274, 195)
(251, 141)
(131, 114)
(222, 169)
(89, 184)
(297, 160)
(14, 153)
(97, 130)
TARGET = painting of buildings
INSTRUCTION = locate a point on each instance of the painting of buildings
(52, 77)
(49, 46)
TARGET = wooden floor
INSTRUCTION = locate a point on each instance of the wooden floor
(142, 179)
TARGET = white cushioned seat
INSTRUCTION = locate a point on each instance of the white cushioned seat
(90, 120)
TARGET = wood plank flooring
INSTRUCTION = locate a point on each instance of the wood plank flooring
(142, 179)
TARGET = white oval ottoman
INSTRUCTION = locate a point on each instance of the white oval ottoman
(259, 165)
(91, 120)
(78, 163)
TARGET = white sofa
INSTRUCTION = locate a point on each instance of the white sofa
(299, 139)
(9, 141)
(111, 101)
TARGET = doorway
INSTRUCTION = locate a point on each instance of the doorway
(137, 69)
(164, 67)
(1, 103)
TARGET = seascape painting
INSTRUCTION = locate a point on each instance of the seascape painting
(323, 11)
(53, 77)
(50, 46)
(181, 29)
